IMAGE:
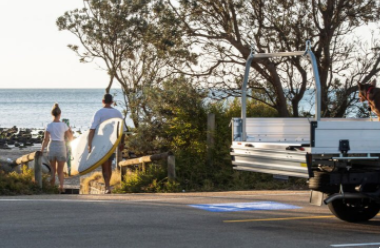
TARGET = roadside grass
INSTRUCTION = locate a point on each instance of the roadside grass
(23, 183)
(243, 180)
(154, 180)
(96, 180)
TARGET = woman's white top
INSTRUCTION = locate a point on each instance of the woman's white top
(57, 130)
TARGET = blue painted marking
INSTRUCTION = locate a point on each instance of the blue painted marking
(245, 206)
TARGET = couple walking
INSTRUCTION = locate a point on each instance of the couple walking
(56, 132)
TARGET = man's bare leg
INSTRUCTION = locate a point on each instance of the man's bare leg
(107, 173)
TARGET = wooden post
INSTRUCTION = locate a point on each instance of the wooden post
(210, 136)
(38, 169)
(171, 168)
(143, 167)
(121, 173)
(118, 158)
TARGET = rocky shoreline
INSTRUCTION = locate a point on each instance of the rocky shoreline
(23, 137)
(19, 137)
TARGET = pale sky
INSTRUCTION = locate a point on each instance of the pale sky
(34, 54)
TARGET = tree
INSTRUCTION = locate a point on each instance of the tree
(123, 34)
(180, 125)
(225, 30)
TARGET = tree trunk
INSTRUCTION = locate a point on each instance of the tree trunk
(110, 84)
(281, 103)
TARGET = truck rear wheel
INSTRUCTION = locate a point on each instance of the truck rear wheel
(354, 210)
(321, 182)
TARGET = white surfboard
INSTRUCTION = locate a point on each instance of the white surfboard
(107, 138)
(45, 165)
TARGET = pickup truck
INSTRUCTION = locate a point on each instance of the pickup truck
(340, 157)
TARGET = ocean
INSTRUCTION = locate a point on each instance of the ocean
(30, 108)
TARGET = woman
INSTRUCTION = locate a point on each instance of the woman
(54, 139)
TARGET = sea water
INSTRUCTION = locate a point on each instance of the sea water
(31, 108)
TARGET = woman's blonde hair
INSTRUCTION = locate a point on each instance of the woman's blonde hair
(56, 110)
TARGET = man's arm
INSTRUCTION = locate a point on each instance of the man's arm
(90, 137)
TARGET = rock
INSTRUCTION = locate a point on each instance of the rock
(37, 140)
(28, 143)
(5, 146)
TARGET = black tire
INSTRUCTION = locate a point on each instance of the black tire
(321, 182)
(354, 210)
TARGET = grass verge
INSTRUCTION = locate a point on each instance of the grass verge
(14, 183)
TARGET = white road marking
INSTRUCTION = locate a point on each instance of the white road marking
(353, 245)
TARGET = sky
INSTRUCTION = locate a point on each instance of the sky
(34, 53)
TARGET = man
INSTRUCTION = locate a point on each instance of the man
(105, 113)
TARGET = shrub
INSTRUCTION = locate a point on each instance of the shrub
(14, 183)
(177, 121)
(154, 179)
(98, 179)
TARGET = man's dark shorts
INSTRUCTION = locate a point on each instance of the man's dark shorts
(112, 157)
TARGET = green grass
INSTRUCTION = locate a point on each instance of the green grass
(154, 180)
(14, 183)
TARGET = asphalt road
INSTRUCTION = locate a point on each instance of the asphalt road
(168, 220)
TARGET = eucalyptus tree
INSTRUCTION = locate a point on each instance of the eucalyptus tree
(224, 33)
(124, 35)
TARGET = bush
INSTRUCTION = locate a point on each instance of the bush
(154, 179)
(14, 183)
(177, 122)
(96, 180)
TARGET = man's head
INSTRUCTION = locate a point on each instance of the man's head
(107, 98)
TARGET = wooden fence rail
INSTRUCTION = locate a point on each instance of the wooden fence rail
(25, 159)
(148, 159)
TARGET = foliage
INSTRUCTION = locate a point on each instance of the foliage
(86, 183)
(225, 33)
(14, 183)
(254, 109)
(179, 124)
(176, 117)
(110, 31)
(125, 37)
(98, 179)
(153, 179)
(144, 42)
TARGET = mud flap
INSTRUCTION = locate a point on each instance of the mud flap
(316, 198)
